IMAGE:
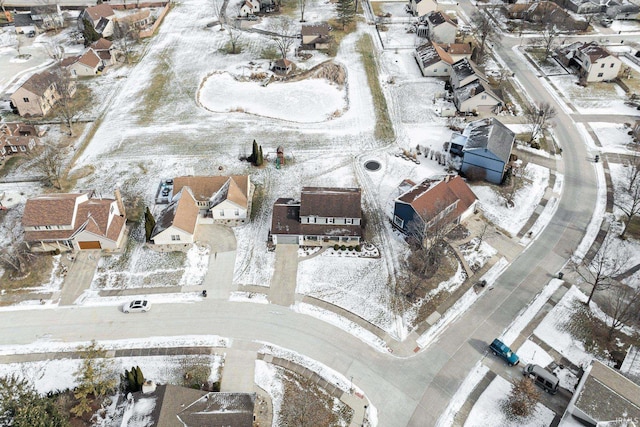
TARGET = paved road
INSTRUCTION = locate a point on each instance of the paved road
(406, 391)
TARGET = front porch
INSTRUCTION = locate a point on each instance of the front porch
(329, 240)
(46, 246)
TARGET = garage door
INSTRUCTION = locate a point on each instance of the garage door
(287, 240)
(89, 245)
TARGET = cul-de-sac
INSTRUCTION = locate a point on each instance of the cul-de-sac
(319, 213)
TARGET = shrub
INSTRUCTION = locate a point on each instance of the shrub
(343, 248)
(336, 247)
(358, 248)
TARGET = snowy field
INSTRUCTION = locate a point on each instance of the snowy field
(595, 98)
(614, 137)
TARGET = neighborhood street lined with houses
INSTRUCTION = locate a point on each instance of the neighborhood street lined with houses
(268, 212)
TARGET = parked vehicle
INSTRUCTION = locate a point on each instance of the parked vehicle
(542, 378)
(500, 349)
(137, 306)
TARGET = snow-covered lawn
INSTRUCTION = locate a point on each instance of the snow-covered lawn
(477, 253)
(613, 137)
(595, 98)
(526, 200)
(294, 101)
(488, 409)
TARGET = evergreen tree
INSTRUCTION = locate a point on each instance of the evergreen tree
(89, 33)
(346, 12)
(259, 160)
(254, 153)
(22, 406)
(95, 378)
(149, 223)
(139, 378)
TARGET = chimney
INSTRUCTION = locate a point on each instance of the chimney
(119, 202)
(148, 387)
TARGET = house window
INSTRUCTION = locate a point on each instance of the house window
(600, 74)
(25, 99)
(435, 70)
(483, 97)
(48, 227)
(36, 227)
(331, 220)
(175, 237)
(111, 209)
(22, 148)
(348, 221)
(398, 221)
(237, 212)
(602, 66)
(222, 213)
(612, 65)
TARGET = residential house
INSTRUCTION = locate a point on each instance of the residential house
(636, 131)
(485, 146)
(203, 200)
(282, 66)
(315, 36)
(172, 406)
(137, 20)
(101, 17)
(322, 216)
(603, 396)
(458, 51)
(582, 6)
(23, 23)
(596, 63)
(631, 364)
(106, 50)
(38, 94)
(433, 206)
(471, 92)
(17, 138)
(47, 17)
(249, 7)
(441, 28)
(624, 11)
(422, 7)
(89, 64)
(433, 60)
(74, 221)
(476, 97)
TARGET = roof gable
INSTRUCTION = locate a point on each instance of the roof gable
(100, 11)
(492, 135)
(50, 209)
(207, 188)
(430, 197)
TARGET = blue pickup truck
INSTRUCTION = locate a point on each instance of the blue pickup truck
(500, 349)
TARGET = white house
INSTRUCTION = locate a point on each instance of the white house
(597, 64)
(89, 64)
(249, 7)
(433, 60)
(441, 28)
(101, 17)
(177, 223)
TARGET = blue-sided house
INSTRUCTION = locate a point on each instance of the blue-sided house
(485, 146)
(431, 205)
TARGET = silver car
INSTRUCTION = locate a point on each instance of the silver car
(140, 305)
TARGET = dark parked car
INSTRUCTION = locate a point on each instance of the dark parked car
(500, 349)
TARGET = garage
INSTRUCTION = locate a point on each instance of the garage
(90, 245)
(283, 239)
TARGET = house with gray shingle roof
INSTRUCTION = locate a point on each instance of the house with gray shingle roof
(603, 396)
(441, 28)
(433, 60)
(470, 90)
(322, 216)
(174, 406)
(73, 221)
(485, 146)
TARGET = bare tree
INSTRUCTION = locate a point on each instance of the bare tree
(218, 12)
(629, 203)
(549, 36)
(538, 118)
(15, 255)
(284, 33)
(235, 36)
(483, 29)
(125, 36)
(62, 102)
(632, 173)
(49, 163)
(302, 5)
(622, 305)
(517, 174)
(607, 263)
(522, 399)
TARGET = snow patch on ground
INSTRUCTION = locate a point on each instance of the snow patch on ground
(488, 409)
(462, 394)
(531, 352)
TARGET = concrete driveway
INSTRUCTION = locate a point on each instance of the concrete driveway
(222, 259)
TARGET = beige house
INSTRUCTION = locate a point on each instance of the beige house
(470, 91)
(101, 17)
(74, 221)
(37, 95)
(315, 36)
(106, 51)
(249, 7)
(422, 7)
(441, 28)
(203, 200)
(138, 19)
(89, 64)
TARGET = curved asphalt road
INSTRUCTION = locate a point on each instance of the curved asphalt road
(411, 391)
